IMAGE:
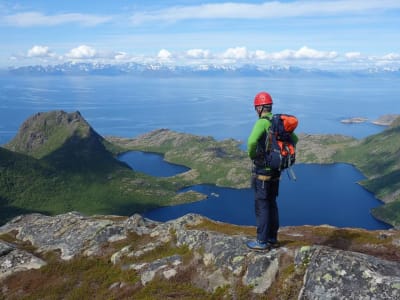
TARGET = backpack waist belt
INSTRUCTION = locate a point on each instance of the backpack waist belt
(263, 177)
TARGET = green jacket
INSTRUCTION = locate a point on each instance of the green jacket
(260, 127)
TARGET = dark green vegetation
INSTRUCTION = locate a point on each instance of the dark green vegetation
(58, 163)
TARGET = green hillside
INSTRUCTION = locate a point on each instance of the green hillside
(215, 162)
(58, 163)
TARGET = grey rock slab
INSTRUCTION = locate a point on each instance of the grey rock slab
(230, 253)
(71, 233)
(13, 260)
(339, 274)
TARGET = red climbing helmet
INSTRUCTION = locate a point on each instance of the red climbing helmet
(262, 98)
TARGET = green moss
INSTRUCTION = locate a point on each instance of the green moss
(162, 289)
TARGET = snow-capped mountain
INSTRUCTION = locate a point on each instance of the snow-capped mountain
(157, 69)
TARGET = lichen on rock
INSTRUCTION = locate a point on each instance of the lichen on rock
(203, 253)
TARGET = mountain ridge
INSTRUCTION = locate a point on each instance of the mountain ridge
(159, 69)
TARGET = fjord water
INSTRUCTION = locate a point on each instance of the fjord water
(218, 107)
(151, 163)
(322, 194)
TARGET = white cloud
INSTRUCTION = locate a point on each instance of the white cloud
(261, 55)
(271, 9)
(308, 53)
(236, 53)
(304, 53)
(28, 19)
(353, 55)
(198, 53)
(164, 54)
(82, 52)
(40, 51)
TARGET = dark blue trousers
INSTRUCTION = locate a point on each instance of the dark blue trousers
(266, 208)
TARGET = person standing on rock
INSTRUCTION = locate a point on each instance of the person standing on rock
(265, 180)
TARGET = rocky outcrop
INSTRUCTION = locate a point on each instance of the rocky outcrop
(325, 261)
(13, 260)
(338, 274)
(71, 233)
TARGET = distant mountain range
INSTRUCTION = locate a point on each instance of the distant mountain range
(162, 70)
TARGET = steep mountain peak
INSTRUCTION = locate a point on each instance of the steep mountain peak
(46, 132)
(65, 140)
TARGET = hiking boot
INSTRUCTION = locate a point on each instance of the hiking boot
(273, 245)
(257, 245)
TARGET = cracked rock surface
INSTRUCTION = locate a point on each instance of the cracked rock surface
(219, 259)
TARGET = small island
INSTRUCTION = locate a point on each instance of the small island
(354, 120)
(385, 120)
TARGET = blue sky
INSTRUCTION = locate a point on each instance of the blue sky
(308, 33)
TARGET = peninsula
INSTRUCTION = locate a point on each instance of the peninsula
(58, 163)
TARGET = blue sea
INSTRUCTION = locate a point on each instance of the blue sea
(221, 108)
(218, 107)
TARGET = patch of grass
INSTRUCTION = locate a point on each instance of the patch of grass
(225, 228)
(8, 238)
(162, 251)
(79, 278)
(288, 284)
(168, 289)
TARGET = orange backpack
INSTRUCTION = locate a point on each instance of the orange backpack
(280, 149)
